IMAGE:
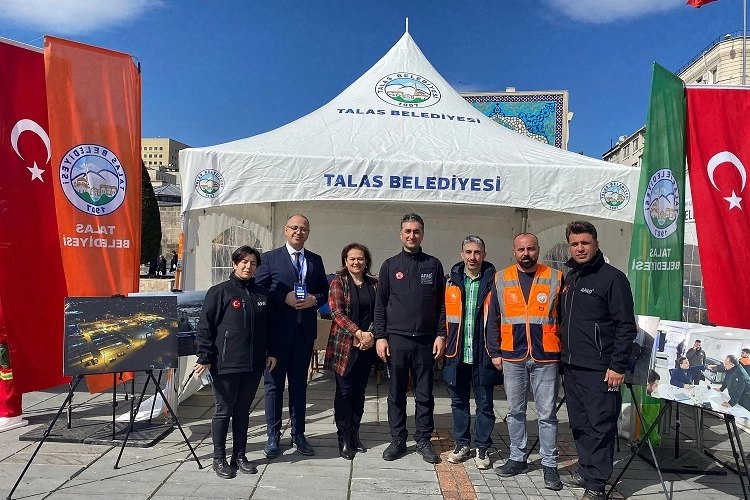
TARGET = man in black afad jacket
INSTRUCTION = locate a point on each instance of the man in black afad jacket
(597, 331)
(410, 332)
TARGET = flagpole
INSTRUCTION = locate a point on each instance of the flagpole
(744, 39)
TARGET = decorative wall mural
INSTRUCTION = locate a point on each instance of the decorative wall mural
(542, 117)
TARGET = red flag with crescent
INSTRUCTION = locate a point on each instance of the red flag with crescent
(32, 280)
(718, 152)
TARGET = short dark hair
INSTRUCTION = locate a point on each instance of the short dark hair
(697, 342)
(412, 217)
(746, 350)
(473, 238)
(580, 227)
(244, 251)
(680, 360)
(732, 359)
(653, 376)
(345, 252)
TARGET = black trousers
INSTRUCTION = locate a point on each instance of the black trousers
(592, 412)
(233, 394)
(292, 364)
(349, 401)
(415, 354)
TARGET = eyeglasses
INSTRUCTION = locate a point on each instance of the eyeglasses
(301, 229)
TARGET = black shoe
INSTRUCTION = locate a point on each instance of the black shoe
(429, 455)
(346, 450)
(512, 468)
(241, 463)
(593, 495)
(356, 442)
(573, 480)
(552, 479)
(395, 450)
(299, 442)
(271, 450)
(222, 468)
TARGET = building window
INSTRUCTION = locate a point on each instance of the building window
(626, 151)
(712, 76)
(635, 144)
(161, 147)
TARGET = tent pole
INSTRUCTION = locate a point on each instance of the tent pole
(273, 223)
(524, 218)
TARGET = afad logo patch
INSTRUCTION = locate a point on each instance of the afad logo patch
(93, 179)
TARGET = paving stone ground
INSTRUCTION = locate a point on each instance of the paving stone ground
(167, 470)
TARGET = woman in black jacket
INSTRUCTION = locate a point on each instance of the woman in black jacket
(235, 344)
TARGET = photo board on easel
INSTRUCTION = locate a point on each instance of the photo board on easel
(119, 334)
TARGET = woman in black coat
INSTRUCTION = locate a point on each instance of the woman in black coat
(234, 343)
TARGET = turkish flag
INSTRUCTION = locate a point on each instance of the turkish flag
(32, 280)
(718, 151)
(698, 3)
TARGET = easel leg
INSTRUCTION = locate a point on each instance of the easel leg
(132, 422)
(153, 403)
(646, 439)
(46, 433)
(176, 420)
(734, 435)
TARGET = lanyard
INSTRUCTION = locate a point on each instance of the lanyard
(299, 265)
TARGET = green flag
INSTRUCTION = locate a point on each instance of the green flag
(656, 250)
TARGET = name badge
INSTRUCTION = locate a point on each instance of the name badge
(300, 291)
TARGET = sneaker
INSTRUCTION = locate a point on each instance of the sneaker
(429, 455)
(458, 454)
(395, 450)
(593, 495)
(512, 468)
(573, 480)
(271, 450)
(552, 479)
(482, 459)
(222, 468)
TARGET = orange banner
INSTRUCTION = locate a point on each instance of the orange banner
(94, 109)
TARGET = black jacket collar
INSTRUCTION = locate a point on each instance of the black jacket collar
(240, 282)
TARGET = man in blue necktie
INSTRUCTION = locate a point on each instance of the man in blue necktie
(297, 281)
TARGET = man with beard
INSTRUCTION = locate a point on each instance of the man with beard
(467, 361)
(598, 328)
(524, 341)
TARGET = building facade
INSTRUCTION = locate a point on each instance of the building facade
(162, 159)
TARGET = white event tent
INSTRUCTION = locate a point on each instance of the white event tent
(397, 140)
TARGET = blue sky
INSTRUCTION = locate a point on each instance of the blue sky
(222, 70)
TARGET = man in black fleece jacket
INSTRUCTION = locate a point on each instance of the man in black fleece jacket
(410, 331)
(597, 331)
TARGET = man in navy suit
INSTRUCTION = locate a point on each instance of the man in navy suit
(290, 272)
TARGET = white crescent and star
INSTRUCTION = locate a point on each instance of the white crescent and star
(727, 157)
(26, 125)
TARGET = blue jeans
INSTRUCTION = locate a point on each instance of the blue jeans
(545, 383)
(483, 398)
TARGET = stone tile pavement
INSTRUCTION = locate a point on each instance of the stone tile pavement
(167, 470)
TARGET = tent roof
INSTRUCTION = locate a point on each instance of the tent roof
(401, 133)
